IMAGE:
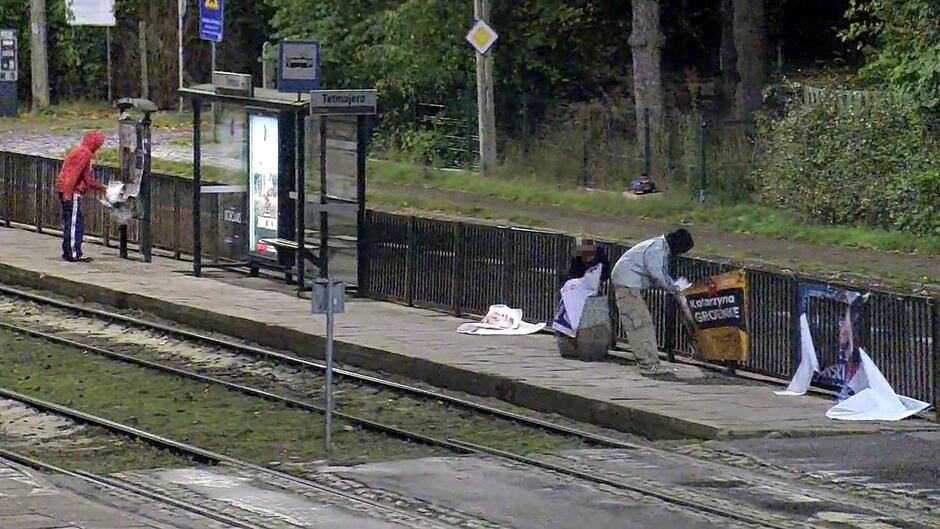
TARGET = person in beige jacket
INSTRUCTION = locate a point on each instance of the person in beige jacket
(644, 266)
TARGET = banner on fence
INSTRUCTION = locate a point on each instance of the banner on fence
(717, 307)
(847, 362)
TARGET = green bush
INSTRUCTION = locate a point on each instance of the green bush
(874, 163)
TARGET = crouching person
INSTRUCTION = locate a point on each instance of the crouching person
(644, 266)
(582, 322)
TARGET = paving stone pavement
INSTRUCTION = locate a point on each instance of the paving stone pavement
(29, 501)
(525, 370)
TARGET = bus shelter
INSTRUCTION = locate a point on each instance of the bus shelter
(246, 172)
(255, 173)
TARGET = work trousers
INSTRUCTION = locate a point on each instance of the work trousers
(73, 228)
(637, 322)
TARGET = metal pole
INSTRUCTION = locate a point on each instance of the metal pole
(328, 428)
(108, 52)
(703, 172)
(936, 356)
(324, 220)
(300, 199)
(362, 151)
(213, 108)
(181, 8)
(647, 146)
(197, 184)
(146, 231)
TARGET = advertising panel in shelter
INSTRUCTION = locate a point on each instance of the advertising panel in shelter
(262, 182)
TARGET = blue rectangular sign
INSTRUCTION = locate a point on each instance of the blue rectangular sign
(211, 16)
(298, 68)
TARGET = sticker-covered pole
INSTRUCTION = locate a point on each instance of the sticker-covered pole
(328, 428)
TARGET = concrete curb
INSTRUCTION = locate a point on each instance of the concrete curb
(621, 417)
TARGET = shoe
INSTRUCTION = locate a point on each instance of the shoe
(85, 259)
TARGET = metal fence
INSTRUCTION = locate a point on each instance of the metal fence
(464, 268)
(27, 197)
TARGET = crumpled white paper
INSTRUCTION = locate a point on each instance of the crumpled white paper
(501, 320)
(874, 399)
(574, 295)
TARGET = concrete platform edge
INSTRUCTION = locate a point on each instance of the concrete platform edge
(622, 417)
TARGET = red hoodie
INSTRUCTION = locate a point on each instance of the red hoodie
(76, 175)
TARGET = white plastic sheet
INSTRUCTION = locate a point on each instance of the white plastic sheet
(574, 294)
(874, 399)
(501, 320)
(809, 362)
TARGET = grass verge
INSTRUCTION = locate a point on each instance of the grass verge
(203, 415)
(673, 208)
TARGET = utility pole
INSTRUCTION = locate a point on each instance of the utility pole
(181, 11)
(144, 74)
(38, 54)
(486, 110)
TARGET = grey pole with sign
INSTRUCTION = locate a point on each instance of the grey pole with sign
(9, 72)
(328, 298)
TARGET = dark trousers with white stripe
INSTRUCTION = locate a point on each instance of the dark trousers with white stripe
(73, 228)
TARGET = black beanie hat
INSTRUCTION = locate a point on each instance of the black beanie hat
(680, 241)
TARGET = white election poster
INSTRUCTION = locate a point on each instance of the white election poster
(91, 12)
(262, 182)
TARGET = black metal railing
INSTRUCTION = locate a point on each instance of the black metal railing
(464, 268)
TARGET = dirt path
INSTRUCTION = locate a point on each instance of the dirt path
(839, 262)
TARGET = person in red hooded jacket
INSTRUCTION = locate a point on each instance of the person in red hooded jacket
(74, 181)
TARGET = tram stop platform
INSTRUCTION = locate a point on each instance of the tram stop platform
(424, 345)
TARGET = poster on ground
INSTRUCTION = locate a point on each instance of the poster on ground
(262, 182)
(718, 309)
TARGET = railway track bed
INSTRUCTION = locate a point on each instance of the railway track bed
(435, 457)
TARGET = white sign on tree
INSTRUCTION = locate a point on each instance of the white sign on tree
(91, 12)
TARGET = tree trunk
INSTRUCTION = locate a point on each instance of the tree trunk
(750, 40)
(647, 41)
(39, 58)
(728, 55)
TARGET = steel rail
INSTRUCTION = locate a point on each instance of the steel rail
(452, 444)
(202, 455)
(248, 390)
(345, 373)
(107, 483)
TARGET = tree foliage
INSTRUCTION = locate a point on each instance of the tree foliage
(876, 164)
(902, 38)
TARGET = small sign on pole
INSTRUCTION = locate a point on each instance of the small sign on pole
(328, 298)
(482, 37)
(298, 67)
(211, 19)
(330, 102)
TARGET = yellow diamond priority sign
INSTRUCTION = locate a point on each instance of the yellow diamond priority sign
(482, 37)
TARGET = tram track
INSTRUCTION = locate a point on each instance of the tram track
(686, 499)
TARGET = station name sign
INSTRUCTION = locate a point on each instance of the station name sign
(325, 102)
